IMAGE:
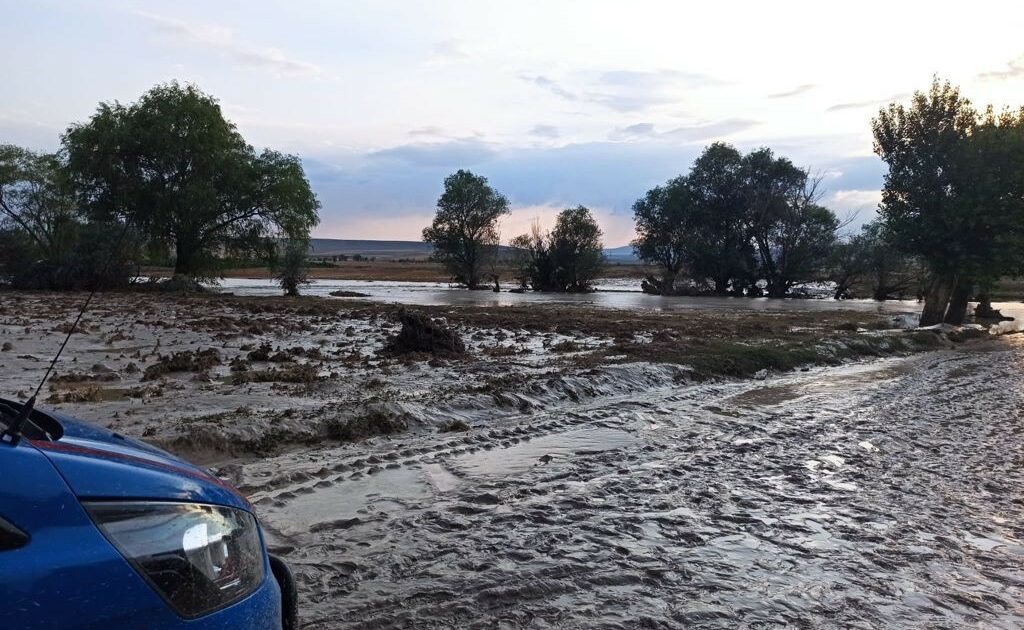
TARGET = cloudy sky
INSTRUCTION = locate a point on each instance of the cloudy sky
(557, 102)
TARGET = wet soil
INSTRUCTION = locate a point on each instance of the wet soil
(886, 494)
(214, 378)
(562, 474)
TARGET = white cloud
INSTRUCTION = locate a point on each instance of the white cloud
(274, 60)
(690, 133)
(798, 90)
(1014, 68)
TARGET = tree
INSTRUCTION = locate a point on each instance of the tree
(289, 265)
(37, 199)
(177, 170)
(719, 246)
(923, 203)
(465, 229)
(577, 249)
(792, 234)
(664, 217)
(849, 264)
(44, 243)
(567, 259)
(531, 257)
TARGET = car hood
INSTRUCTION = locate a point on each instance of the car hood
(101, 464)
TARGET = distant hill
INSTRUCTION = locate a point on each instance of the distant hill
(622, 254)
(378, 249)
(390, 250)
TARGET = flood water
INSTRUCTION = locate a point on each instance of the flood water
(610, 294)
(882, 494)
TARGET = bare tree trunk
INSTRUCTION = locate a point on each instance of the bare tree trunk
(957, 311)
(936, 300)
(668, 282)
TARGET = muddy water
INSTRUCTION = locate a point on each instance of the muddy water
(888, 494)
(611, 296)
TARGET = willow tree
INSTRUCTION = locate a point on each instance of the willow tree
(178, 171)
(954, 193)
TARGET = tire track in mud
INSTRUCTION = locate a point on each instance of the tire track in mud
(884, 494)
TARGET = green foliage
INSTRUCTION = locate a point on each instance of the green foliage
(954, 193)
(719, 249)
(736, 219)
(923, 146)
(290, 265)
(567, 259)
(867, 265)
(664, 218)
(173, 166)
(37, 199)
(44, 242)
(464, 232)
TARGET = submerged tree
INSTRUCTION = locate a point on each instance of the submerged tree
(792, 234)
(577, 249)
(923, 201)
(567, 259)
(464, 232)
(289, 265)
(736, 219)
(718, 241)
(868, 261)
(953, 194)
(176, 169)
(664, 219)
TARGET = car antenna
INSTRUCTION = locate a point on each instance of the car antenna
(12, 435)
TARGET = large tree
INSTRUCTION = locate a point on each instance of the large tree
(719, 247)
(924, 203)
(465, 229)
(177, 170)
(664, 219)
(792, 234)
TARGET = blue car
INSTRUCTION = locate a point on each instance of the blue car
(101, 531)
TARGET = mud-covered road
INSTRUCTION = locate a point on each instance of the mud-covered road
(882, 494)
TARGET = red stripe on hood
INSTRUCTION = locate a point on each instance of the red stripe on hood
(113, 455)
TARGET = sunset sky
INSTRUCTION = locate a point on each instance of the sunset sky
(557, 102)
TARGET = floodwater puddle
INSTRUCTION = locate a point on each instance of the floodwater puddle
(346, 501)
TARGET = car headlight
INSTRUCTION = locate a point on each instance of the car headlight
(198, 557)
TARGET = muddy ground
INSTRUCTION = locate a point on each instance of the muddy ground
(215, 378)
(578, 467)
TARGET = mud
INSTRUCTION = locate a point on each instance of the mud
(218, 378)
(888, 494)
(580, 488)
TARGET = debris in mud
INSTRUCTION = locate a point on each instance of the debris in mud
(83, 395)
(453, 426)
(375, 422)
(184, 361)
(985, 311)
(293, 374)
(7, 347)
(422, 334)
(81, 377)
